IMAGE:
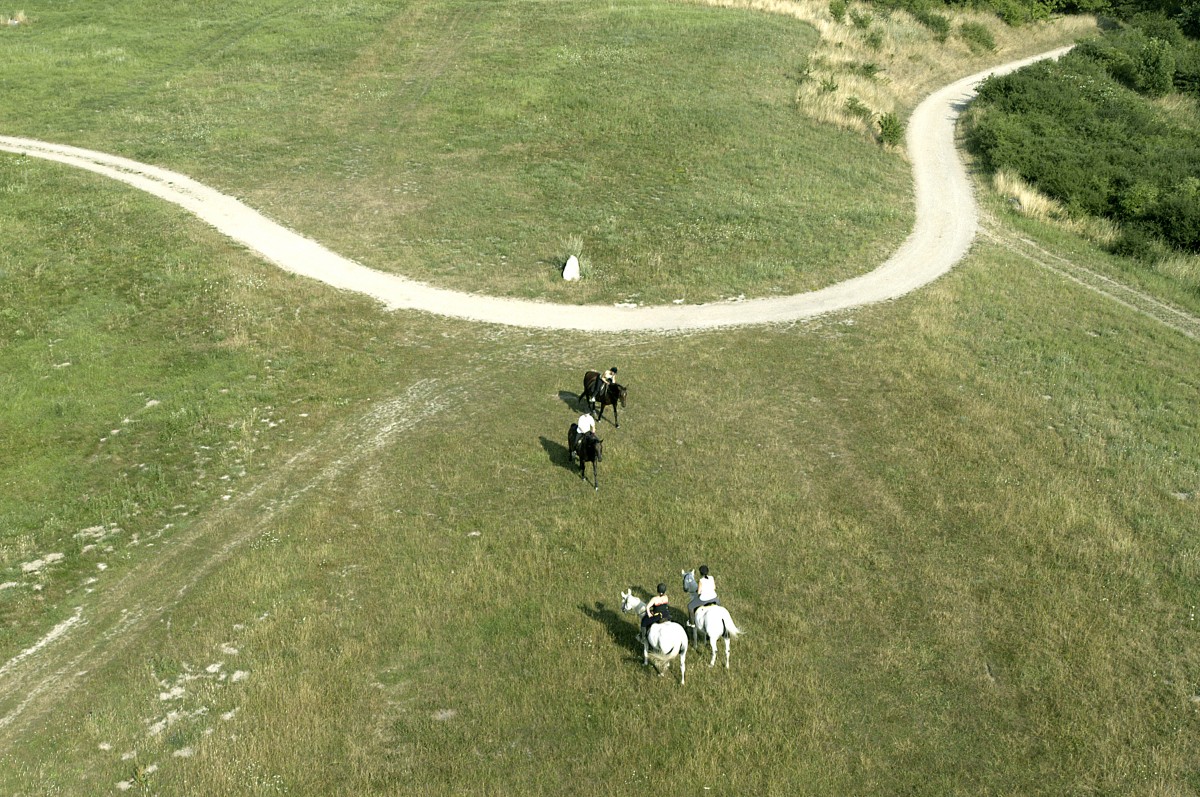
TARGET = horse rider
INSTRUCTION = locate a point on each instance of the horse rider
(606, 380)
(706, 594)
(584, 426)
(656, 609)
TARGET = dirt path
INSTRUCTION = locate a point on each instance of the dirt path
(113, 615)
(946, 224)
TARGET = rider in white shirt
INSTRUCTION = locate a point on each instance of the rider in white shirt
(706, 593)
(606, 380)
(585, 424)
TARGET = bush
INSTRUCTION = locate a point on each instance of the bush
(1138, 61)
(1074, 133)
(938, 24)
(1187, 69)
(869, 71)
(977, 36)
(891, 129)
(1138, 242)
(1157, 25)
(1178, 217)
(1138, 200)
(803, 70)
(837, 9)
(854, 107)
(1189, 17)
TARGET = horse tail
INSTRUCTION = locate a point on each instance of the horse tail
(731, 630)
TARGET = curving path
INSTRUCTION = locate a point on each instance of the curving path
(946, 224)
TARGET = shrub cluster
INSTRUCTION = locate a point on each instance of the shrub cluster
(1184, 13)
(891, 129)
(1084, 131)
(977, 36)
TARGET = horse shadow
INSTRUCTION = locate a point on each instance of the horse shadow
(622, 632)
(558, 454)
(570, 399)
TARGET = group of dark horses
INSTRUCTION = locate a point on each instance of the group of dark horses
(591, 448)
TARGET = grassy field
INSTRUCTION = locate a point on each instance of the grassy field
(307, 549)
(467, 143)
(475, 144)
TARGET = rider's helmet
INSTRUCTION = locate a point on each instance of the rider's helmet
(703, 570)
(613, 369)
(662, 589)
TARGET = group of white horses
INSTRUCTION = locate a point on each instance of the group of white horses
(666, 640)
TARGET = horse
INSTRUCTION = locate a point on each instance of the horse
(609, 396)
(592, 450)
(712, 620)
(662, 641)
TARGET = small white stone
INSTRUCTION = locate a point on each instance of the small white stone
(571, 269)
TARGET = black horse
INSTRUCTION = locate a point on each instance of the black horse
(609, 395)
(591, 449)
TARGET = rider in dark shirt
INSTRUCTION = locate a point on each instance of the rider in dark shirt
(656, 608)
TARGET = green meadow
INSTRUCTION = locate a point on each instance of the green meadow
(260, 537)
(467, 143)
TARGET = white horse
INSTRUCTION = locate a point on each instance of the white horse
(663, 642)
(712, 620)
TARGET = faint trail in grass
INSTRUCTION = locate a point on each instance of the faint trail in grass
(229, 35)
(56, 632)
(1131, 298)
(35, 681)
(428, 61)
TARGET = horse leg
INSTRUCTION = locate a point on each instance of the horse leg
(712, 643)
(595, 474)
(616, 418)
(727, 653)
(682, 665)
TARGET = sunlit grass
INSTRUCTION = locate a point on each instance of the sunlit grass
(344, 553)
(888, 61)
(966, 512)
(460, 142)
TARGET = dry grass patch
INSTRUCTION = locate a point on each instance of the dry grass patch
(19, 18)
(1031, 203)
(904, 57)
(1184, 268)
(1026, 199)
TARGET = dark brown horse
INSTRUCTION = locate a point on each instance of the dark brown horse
(609, 396)
(591, 449)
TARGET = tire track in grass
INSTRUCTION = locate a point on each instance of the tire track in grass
(37, 680)
(1139, 302)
